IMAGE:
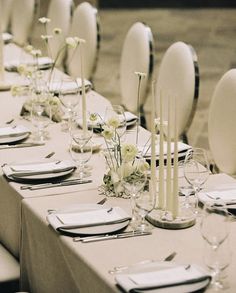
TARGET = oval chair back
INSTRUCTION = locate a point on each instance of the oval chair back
(136, 56)
(85, 25)
(179, 77)
(222, 123)
(22, 17)
(60, 13)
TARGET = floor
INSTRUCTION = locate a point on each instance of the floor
(210, 31)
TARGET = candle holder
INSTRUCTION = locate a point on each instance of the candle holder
(164, 219)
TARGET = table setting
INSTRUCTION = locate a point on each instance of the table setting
(55, 197)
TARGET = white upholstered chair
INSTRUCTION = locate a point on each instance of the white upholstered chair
(22, 19)
(60, 13)
(6, 13)
(9, 271)
(222, 123)
(136, 56)
(179, 76)
(84, 25)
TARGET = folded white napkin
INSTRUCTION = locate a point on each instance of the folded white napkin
(164, 278)
(228, 196)
(146, 150)
(57, 86)
(36, 168)
(10, 131)
(41, 62)
(6, 37)
(87, 217)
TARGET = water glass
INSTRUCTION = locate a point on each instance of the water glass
(41, 117)
(196, 170)
(145, 202)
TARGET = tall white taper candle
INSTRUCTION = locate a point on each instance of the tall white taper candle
(161, 196)
(175, 194)
(153, 142)
(84, 106)
(168, 164)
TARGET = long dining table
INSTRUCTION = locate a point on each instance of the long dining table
(53, 262)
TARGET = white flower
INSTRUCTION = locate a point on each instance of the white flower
(108, 132)
(29, 48)
(113, 122)
(44, 20)
(72, 42)
(125, 169)
(57, 31)
(141, 165)
(128, 152)
(114, 177)
(36, 53)
(46, 37)
(16, 90)
(140, 74)
(93, 117)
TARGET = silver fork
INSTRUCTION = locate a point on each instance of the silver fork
(119, 269)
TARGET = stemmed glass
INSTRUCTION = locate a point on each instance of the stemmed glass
(196, 170)
(81, 144)
(218, 260)
(215, 223)
(68, 94)
(40, 111)
(133, 184)
(115, 116)
(145, 202)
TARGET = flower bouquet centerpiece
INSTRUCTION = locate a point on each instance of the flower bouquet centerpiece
(123, 162)
(40, 81)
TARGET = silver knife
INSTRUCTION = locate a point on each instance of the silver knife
(20, 145)
(115, 236)
(51, 184)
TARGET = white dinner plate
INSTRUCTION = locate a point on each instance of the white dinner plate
(162, 265)
(14, 138)
(40, 176)
(94, 230)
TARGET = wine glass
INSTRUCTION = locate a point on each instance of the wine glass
(68, 94)
(196, 170)
(115, 117)
(215, 223)
(81, 154)
(133, 184)
(145, 202)
(40, 117)
(218, 260)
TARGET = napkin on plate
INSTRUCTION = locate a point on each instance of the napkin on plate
(55, 86)
(146, 150)
(14, 131)
(37, 168)
(87, 217)
(42, 63)
(228, 195)
(164, 278)
(6, 37)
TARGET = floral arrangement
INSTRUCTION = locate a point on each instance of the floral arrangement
(122, 160)
(33, 73)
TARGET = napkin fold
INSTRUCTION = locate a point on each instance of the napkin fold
(146, 150)
(42, 63)
(6, 37)
(87, 217)
(228, 196)
(37, 168)
(68, 87)
(14, 131)
(164, 278)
